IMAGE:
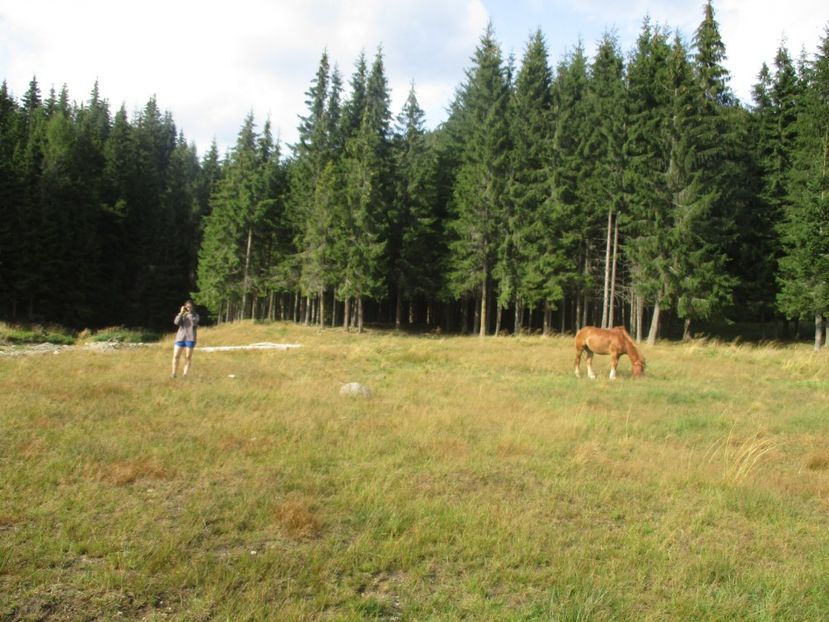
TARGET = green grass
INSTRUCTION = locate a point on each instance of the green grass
(482, 481)
(34, 333)
(121, 334)
(23, 334)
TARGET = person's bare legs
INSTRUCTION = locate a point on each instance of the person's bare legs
(176, 355)
(188, 356)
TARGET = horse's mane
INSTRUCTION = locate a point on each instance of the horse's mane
(629, 343)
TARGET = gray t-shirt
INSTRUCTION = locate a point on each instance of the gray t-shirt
(187, 324)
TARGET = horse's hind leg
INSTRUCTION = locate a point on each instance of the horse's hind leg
(578, 361)
(590, 373)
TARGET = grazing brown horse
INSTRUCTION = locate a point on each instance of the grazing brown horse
(613, 341)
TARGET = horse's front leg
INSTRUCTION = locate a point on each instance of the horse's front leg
(590, 373)
(614, 361)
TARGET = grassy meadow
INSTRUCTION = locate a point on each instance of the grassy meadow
(480, 481)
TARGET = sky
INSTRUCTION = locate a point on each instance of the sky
(211, 63)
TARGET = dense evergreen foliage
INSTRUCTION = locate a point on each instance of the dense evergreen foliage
(100, 215)
(619, 189)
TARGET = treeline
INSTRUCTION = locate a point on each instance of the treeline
(618, 189)
(100, 222)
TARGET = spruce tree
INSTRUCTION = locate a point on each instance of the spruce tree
(93, 127)
(154, 283)
(117, 241)
(604, 154)
(533, 227)
(479, 192)
(705, 286)
(11, 216)
(805, 262)
(367, 167)
(227, 271)
(67, 236)
(414, 235)
(647, 243)
(311, 176)
(777, 98)
(31, 282)
(697, 262)
(571, 174)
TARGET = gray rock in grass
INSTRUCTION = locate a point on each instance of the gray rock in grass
(355, 389)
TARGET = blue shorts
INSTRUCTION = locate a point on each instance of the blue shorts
(186, 344)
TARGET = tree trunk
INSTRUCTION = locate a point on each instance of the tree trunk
(563, 315)
(246, 279)
(605, 297)
(498, 315)
(654, 325)
(359, 314)
(322, 308)
(484, 305)
(398, 309)
(519, 314)
(346, 312)
(820, 327)
(686, 329)
(578, 313)
(613, 273)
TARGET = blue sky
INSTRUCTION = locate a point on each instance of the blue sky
(211, 63)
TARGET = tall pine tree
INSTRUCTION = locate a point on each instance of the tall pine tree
(479, 192)
(805, 263)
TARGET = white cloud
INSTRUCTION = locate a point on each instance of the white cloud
(211, 63)
(752, 30)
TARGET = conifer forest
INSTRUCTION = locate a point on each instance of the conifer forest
(631, 187)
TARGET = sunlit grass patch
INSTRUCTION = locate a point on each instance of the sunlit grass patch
(35, 333)
(119, 334)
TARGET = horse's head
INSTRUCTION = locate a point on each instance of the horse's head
(639, 368)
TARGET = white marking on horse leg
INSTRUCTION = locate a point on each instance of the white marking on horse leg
(590, 373)
(578, 374)
(613, 374)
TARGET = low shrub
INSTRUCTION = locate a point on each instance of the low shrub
(121, 334)
(21, 334)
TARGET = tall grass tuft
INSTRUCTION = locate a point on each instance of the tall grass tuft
(740, 459)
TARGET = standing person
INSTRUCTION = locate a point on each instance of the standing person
(187, 321)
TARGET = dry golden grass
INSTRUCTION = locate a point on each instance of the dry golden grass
(296, 517)
(482, 480)
(817, 461)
